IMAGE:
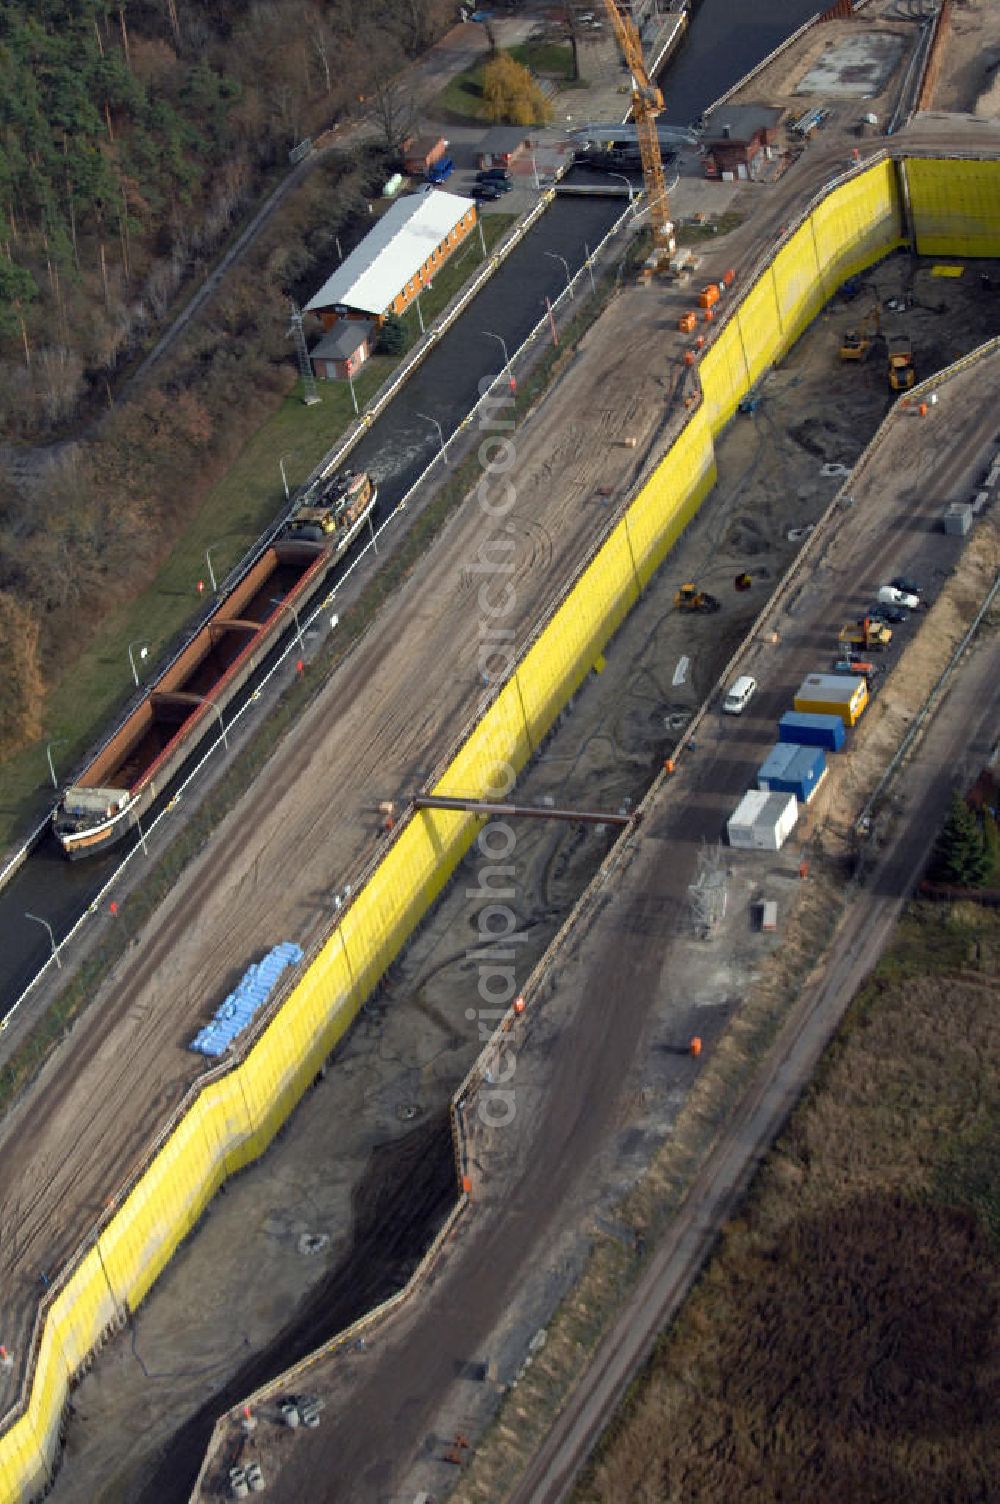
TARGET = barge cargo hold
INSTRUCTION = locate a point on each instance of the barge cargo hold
(185, 704)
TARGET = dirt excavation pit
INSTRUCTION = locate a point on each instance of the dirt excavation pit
(354, 1188)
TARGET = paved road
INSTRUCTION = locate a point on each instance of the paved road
(957, 743)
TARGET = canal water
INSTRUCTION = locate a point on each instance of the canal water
(725, 40)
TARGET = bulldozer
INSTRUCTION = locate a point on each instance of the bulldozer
(857, 344)
(902, 373)
(690, 598)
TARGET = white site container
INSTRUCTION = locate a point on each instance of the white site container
(762, 821)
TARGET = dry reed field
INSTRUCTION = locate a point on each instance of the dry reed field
(841, 1345)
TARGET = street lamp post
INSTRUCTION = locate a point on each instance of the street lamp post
(440, 433)
(278, 600)
(552, 321)
(281, 467)
(420, 311)
(565, 264)
(211, 572)
(143, 647)
(511, 382)
(628, 184)
(590, 268)
(534, 169)
(59, 742)
(52, 939)
(222, 724)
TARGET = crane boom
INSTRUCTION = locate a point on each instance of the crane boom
(647, 102)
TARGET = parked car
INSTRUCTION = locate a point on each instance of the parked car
(739, 696)
(889, 595)
(895, 615)
(493, 175)
(902, 582)
(488, 192)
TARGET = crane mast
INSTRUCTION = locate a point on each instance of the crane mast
(647, 102)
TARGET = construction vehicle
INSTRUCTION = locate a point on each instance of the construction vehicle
(866, 633)
(647, 102)
(857, 344)
(690, 598)
(902, 373)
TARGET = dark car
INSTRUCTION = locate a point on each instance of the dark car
(894, 615)
(904, 583)
(488, 192)
(493, 175)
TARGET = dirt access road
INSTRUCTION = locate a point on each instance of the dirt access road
(958, 741)
(375, 730)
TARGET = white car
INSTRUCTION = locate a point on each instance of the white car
(739, 696)
(888, 595)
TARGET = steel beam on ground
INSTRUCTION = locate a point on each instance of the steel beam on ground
(515, 811)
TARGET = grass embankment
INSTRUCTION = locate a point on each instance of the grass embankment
(694, 232)
(839, 1343)
(461, 99)
(158, 880)
(545, 59)
(237, 510)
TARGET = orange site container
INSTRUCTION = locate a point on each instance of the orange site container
(686, 322)
(709, 295)
(728, 278)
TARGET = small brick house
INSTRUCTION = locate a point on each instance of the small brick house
(421, 152)
(501, 146)
(344, 349)
(737, 137)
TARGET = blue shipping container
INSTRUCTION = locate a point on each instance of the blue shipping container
(809, 729)
(792, 769)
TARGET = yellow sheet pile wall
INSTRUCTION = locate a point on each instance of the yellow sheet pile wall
(235, 1117)
(955, 206)
(848, 231)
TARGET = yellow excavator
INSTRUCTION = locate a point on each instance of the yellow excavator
(857, 344)
(690, 598)
(647, 102)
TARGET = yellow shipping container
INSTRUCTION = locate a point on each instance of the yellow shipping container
(833, 694)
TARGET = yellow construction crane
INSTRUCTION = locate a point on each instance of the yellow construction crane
(647, 102)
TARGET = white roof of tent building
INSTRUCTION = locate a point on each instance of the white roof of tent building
(392, 252)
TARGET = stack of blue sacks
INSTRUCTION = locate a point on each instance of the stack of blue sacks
(255, 987)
